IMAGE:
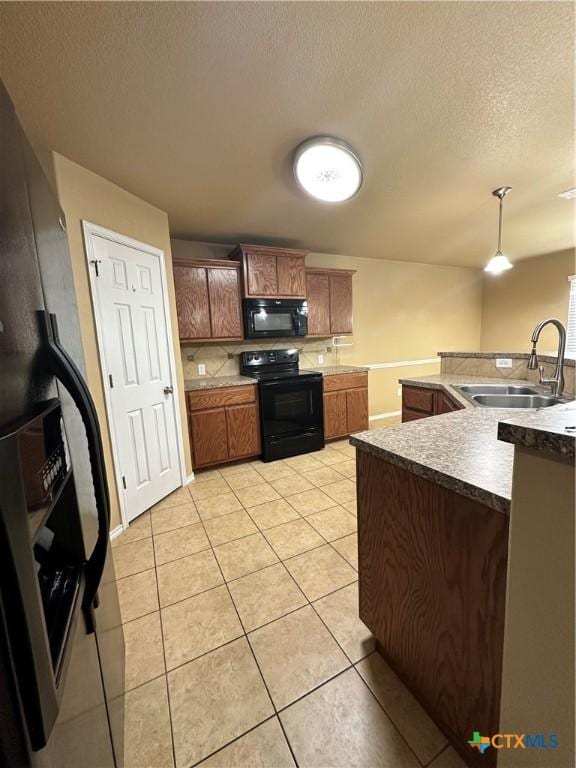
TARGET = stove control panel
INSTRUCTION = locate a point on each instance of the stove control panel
(269, 357)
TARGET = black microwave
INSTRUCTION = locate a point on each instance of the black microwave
(273, 318)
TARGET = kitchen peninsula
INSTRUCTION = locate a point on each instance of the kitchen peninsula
(436, 497)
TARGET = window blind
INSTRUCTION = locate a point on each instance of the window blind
(571, 340)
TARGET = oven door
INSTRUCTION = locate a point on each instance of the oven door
(291, 406)
(275, 319)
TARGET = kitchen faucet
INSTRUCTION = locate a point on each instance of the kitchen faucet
(556, 382)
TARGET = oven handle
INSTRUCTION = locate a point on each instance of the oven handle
(307, 380)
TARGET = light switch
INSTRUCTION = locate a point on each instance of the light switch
(201, 369)
(503, 362)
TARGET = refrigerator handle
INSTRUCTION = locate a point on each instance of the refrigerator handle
(65, 370)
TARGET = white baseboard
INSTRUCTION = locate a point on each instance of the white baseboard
(387, 415)
(115, 532)
(189, 479)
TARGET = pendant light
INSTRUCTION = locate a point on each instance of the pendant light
(499, 262)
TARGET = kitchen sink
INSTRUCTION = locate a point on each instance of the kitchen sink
(498, 389)
(516, 400)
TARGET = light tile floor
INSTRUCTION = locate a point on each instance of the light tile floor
(239, 596)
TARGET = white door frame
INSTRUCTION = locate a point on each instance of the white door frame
(89, 231)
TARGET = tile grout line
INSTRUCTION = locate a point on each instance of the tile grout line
(164, 655)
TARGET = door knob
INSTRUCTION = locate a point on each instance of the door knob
(168, 390)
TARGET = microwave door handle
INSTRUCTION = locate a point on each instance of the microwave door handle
(65, 370)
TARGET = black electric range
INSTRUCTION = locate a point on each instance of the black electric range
(291, 408)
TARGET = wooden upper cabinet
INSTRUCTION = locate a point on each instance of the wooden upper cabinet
(208, 300)
(224, 294)
(192, 303)
(291, 274)
(329, 293)
(262, 279)
(271, 272)
(340, 304)
(318, 295)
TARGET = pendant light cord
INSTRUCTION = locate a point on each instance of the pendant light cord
(500, 226)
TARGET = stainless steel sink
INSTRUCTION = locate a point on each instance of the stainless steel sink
(516, 400)
(498, 389)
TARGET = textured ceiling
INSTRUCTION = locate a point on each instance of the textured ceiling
(196, 107)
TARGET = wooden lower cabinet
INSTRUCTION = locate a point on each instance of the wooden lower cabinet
(345, 404)
(243, 431)
(208, 434)
(335, 422)
(432, 584)
(422, 402)
(224, 425)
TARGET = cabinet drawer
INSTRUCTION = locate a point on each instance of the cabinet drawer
(345, 381)
(199, 400)
(418, 399)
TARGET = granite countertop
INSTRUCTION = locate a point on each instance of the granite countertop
(458, 450)
(552, 430)
(333, 370)
(214, 382)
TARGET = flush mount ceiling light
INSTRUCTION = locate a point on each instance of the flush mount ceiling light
(327, 169)
(499, 262)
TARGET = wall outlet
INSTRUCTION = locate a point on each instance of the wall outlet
(503, 362)
(320, 359)
(201, 369)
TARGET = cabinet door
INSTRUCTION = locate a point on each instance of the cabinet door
(340, 304)
(291, 275)
(208, 435)
(357, 410)
(243, 430)
(318, 297)
(192, 305)
(334, 414)
(224, 292)
(261, 273)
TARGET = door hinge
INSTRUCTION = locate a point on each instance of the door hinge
(111, 380)
(124, 482)
(96, 262)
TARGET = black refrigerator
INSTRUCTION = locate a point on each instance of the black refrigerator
(61, 640)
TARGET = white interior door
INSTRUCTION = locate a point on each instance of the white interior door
(128, 291)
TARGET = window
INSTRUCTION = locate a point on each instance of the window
(571, 341)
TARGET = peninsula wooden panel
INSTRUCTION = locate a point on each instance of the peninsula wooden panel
(243, 431)
(208, 436)
(199, 400)
(192, 303)
(262, 279)
(443, 403)
(418, 399)
(334, 414)
(291, 275)
(356, 410)
(341, 304)
(224, 293)
(432, 590)
(318, 297)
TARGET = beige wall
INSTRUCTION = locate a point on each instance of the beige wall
(402, 311)
(85, 196)
(514, 302)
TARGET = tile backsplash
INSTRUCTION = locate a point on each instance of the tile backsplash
(223, 359)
